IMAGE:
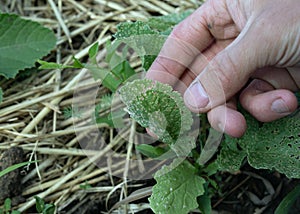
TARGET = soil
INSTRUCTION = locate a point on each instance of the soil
(10, 183)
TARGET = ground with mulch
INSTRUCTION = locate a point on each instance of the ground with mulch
(35, 120)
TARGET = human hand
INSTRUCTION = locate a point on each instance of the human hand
(224, 43)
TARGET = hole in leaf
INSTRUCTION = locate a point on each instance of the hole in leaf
(291, 137)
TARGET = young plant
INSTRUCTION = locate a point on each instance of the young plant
(183, 185)
(44, 208)
(7, 208)
(156, 107)
(162, 110)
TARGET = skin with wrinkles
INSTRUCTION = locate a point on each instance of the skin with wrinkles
(230, 50)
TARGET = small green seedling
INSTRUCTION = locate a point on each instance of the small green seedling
(85, 186)
(7, 209)
(44, 208)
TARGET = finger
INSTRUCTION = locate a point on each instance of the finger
(228, 71)
(295, 74)
(201, 61)
(225, 118)
(279, 78)
(187, 40)
(266, 104)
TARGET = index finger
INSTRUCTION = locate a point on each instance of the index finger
(187, 40)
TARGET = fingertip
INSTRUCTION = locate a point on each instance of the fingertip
(267, 104)
(235, 124)
(227, 120)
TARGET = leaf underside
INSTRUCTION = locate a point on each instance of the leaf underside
(156, 106)
(22, 43)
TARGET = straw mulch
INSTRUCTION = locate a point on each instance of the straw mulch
(32, 113)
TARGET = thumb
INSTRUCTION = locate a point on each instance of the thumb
(226, 73)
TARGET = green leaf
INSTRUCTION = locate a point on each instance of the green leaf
(77, 63)
(147, 61)
(288, 201)
(104, 104)
(93, 51)
(150, 151)
(146, 46)
(13, 167)
(109, 80)
(7, 204)
(272, 145)
(118, 65)
(1, 95)
(204, 204)
(118, 72)
(111, 49)
(123, 71)
(211, 168)
(104, 114)
(52, 65)
(40, 204)
(22, 42)
(15, 212)
(230, 157)
(277, 147)
(156, 106)
(85, 186)
(165, 24)
(75, 112)
(129, 29)
(142, 39)
(113, 119)
(177, 189)
(49, 209)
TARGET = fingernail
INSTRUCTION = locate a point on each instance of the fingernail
(280, 107)
(196, 96)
